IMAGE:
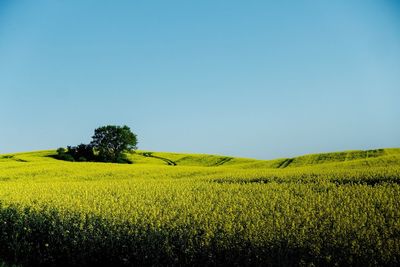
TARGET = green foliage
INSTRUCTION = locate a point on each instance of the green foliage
(111, 141)
(240, 212)
(63, 154)
(82, 152)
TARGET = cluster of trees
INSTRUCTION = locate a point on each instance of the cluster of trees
(109, 143)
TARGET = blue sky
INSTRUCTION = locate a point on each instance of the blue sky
(260, 79)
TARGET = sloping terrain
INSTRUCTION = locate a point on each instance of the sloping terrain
(354, 158)
(175, 209)
(376, 157)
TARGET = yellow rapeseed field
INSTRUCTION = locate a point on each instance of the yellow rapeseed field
(188, 209)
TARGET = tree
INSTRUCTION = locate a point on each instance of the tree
(82, 152)
(63, 154)
(110, 142)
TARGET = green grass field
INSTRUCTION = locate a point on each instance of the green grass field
(192, 209)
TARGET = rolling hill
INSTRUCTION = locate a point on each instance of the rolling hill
(346, 159)
(176, 209)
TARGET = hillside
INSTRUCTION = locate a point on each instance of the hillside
(347, 159)
(176, 209)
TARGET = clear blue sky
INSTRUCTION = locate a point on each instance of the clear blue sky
(259, 79)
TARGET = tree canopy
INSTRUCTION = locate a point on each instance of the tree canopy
(111, 141)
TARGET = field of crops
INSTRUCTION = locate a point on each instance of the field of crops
(188, 209)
